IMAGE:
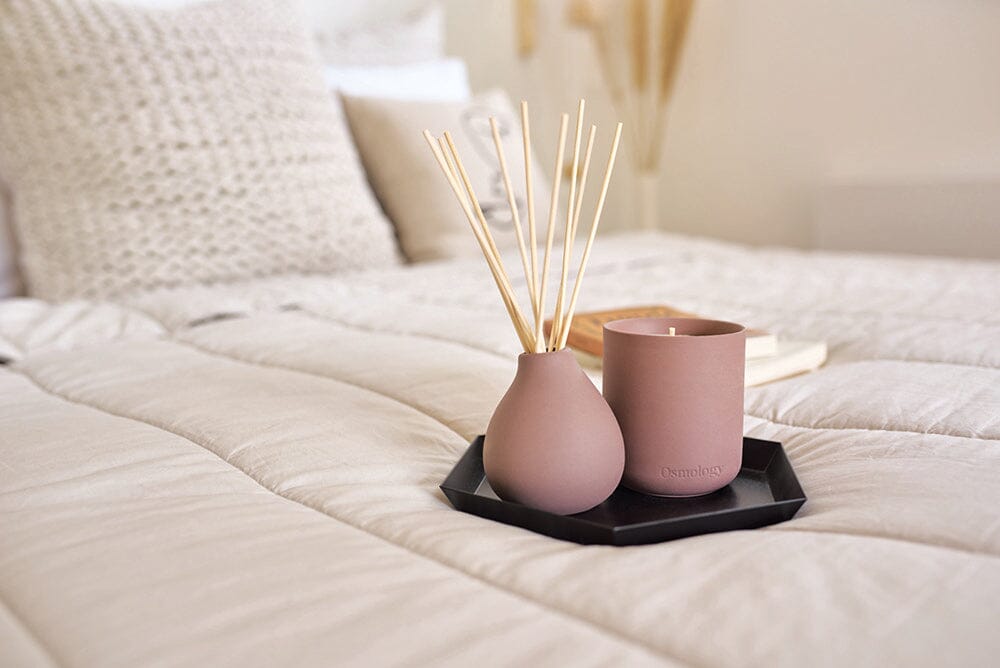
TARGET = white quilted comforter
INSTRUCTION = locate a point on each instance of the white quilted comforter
(183, 489)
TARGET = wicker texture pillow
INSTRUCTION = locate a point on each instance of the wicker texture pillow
(148, 148)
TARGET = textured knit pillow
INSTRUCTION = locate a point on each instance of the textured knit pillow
(147, 148)
(409, 183)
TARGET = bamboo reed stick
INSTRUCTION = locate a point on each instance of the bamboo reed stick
(568, 234)
(579, 199)
(479, 213)
(475, 201)
(530, 196)
(512, 203)
(524, 336)
(553, 211)
(583, 178)
(590, 239)
(531, 334)
(506, 291)
(448, 145)
(490, 252)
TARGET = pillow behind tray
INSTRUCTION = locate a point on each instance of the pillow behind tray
(409, 183)
(147, 148)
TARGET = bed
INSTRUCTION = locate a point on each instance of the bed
(247, 475)
(245, 471)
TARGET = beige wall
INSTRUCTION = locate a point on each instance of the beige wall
(871, 124)
(786, 109)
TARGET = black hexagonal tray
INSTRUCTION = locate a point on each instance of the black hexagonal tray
(766, 491)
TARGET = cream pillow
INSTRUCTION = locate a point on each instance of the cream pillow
(408, 182)
(444, 79)
(147, 148)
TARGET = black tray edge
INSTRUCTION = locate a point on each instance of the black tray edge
(585, 532)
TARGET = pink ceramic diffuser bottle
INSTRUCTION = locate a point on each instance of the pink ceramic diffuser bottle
(679, 400)
(553, 442)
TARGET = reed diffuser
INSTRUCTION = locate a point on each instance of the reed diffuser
(552, 443)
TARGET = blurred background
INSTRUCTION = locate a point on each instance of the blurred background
(834, 124)
(830, 124)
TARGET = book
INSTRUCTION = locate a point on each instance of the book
(587, 333)
(790, 359)
(768, 357)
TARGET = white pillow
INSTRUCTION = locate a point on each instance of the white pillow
(217, 154)
(414, 38)
(446, 79)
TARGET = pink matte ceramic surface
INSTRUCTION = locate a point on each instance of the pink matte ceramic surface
(679, 401)
(553, 443)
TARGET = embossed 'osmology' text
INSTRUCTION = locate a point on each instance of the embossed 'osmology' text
(694, 472)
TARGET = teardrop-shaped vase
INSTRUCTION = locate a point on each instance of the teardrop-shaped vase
(553, 442)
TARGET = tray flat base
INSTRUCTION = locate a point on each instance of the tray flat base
(766, 491)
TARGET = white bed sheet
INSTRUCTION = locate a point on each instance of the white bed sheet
(179, 488)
